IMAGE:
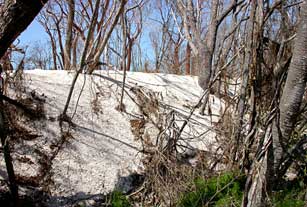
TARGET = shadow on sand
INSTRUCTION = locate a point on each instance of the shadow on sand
(37, 198)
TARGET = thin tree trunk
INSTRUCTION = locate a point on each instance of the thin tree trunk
(205, 57)
(82, 61)
(53, 47)
(105, 40)
(58, 30)
(68, 42)
(124, 31)
(74, 52)
(176, 59)
(256, 184)
(129, 55)
(188, 60)
(243, 93)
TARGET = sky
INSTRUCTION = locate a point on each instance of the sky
(34, 32)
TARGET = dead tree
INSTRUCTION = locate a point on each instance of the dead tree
(45, 21)
(132, 37)
(203, 48)
(93, 48)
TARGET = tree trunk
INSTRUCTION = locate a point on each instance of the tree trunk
(53, 47)
(188, 60)
(103, 43)
(205, 56)
(15, 16)
(82, 59)
(129, 55)
(176, 65)
(68, 42)
(294, 89)
(245, 79)
(74, 52)
(261, 177)
(124, 54)
(62, 51)
(256, 186)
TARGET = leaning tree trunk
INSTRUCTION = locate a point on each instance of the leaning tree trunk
(260, 177)
(295, 84)
(15, 16)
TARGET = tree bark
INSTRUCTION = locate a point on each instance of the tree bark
(15, 18)
(188, 60)
(261, 177)
(68, 42)
(294, 89)
(176, 64)
(129, 55)
(205, 57)
(53, 47)
(124, 65)
(245, 79)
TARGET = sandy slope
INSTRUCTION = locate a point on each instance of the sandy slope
(102, 147)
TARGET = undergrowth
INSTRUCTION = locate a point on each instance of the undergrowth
(292, 196)
(226, 190)
(223, 190)
(119, 200)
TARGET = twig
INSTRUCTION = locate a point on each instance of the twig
(206, 92)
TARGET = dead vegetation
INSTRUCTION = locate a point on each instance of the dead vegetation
(170, 166)
(25, 115)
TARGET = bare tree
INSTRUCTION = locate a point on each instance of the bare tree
(39, 56)
(93, 48)
(132, 37)
(203, 48)
(44, 20)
